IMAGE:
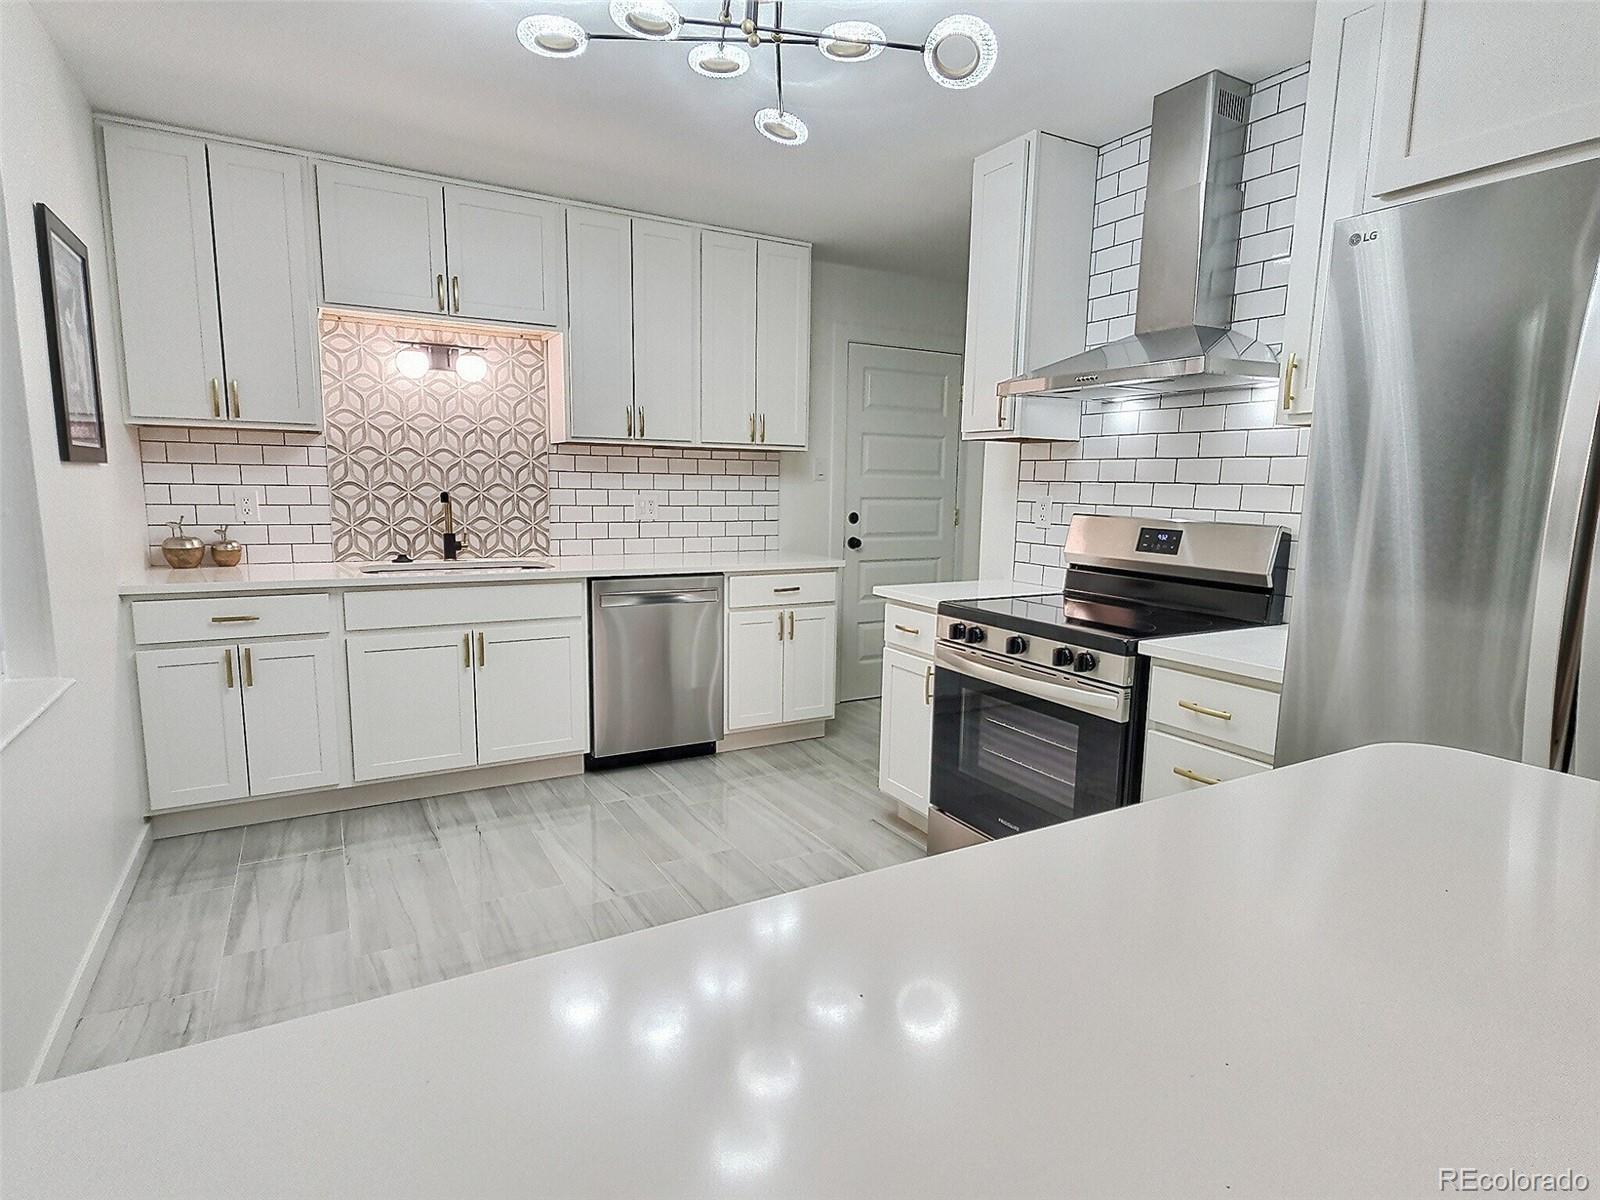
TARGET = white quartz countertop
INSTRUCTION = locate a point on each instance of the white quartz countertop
(931, 595)
(299, 577)
(1331, 979)
(1250, 653)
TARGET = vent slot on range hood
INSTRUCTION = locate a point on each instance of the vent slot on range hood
(1181, 340)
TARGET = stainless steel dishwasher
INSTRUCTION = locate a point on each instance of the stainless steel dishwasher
(655, 654)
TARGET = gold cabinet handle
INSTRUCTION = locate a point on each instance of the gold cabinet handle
(763, 427)
(641, 420)
(752, 427)
(216, 398)
(249, 669)
(482, 655)
(780, 625)
(466, 650)
(1185, 773)
(227, 667)
(455, 293)
(438, 290)
(927, 687)
(791, 624)
(628, 413)
(233, 395)
(909, 629)
(1219, 713)
(1289, 364)
(999, 412)
(233, 620)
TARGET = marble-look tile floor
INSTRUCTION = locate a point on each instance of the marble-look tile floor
(232, 930)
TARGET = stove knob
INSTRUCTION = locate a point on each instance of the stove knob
(958, 631)
(1062, 657)
(1016, 645)
(1086, 662)
(974, 634)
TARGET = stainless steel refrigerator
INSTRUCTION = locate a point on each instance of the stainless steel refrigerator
(1444, 590)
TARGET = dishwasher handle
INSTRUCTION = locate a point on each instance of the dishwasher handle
(639, 599)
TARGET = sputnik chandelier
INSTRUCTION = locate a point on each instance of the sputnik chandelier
(959, 51)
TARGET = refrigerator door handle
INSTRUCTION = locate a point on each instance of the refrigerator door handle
(1564, 554)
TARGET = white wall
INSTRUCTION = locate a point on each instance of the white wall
(855, 304)
(71, 784)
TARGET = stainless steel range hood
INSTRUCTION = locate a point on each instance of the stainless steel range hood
(1181, 341)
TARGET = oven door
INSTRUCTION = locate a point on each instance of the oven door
(1015, 748)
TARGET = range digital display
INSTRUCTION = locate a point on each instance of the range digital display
(1159, 541)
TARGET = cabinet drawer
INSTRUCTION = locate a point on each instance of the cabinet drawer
(229, 618)
(1165, 756)
(909, 629)
(1217, 709)
(483, 604)
(795, 587)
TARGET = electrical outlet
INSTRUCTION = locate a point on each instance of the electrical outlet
(1041, 514)
(247, 505)
(649, 507)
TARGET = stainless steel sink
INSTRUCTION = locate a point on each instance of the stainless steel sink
(460, 564)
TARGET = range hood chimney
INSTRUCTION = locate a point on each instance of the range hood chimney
(1181, 341)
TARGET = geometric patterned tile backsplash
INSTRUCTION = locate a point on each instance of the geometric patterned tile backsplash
(395, 443)
(369, 486)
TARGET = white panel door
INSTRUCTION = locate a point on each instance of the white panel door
(411, 707)
(905, 731)
(783, 343)
(193, 716)
(903, 437)
(599, 343)
(166, 273)
(810, 655)
(291, 714)
(382, 239)
(508, 256)
(754, 682)
(727, 338)
(258, 209)
(666, 350)
(532, 689)
(994, 282)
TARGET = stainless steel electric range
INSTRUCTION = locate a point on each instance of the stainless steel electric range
(1038, 710)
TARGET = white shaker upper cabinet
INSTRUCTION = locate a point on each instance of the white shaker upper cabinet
(507, 256)
(783, 343)
(166, 273)
(994, 283)
(259, 213)
(727, 338)
(599, 343)
(666, 352)
(1468, 87)
(382, 239)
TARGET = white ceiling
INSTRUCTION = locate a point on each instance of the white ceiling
(445, 87)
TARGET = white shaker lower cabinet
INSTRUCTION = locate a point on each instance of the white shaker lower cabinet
(411, 702)
(905, 735)
(1203, 728)
(532, 694)
(782, 662)
(291, 715)
(754, 689)
(193, 714)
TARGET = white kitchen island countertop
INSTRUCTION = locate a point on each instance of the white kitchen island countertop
(930, 595)
(1256, 653)
(1333, 979)
(339, 576)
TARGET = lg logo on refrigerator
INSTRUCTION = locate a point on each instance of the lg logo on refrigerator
(1357, 238)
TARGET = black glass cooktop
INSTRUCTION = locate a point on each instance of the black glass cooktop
(1085, 620)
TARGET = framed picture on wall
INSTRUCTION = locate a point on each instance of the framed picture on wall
(69, 331)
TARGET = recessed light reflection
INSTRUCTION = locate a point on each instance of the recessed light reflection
(834, 1007)
(722, 982)
(769, 1074)
(660, 1029)
(927, 1010)
(745, 1153)
(580, 1008)
(777, 921)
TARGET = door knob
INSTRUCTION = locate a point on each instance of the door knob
(854, 543)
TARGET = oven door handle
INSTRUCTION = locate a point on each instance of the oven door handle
(1062, 691)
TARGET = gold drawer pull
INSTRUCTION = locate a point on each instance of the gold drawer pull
(227, 667)
(1185, 773)
(1218, 713)
(466, 650)
(482, 654)
(908, 629)
(780, 591)
(232, 620)
(249, 669)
